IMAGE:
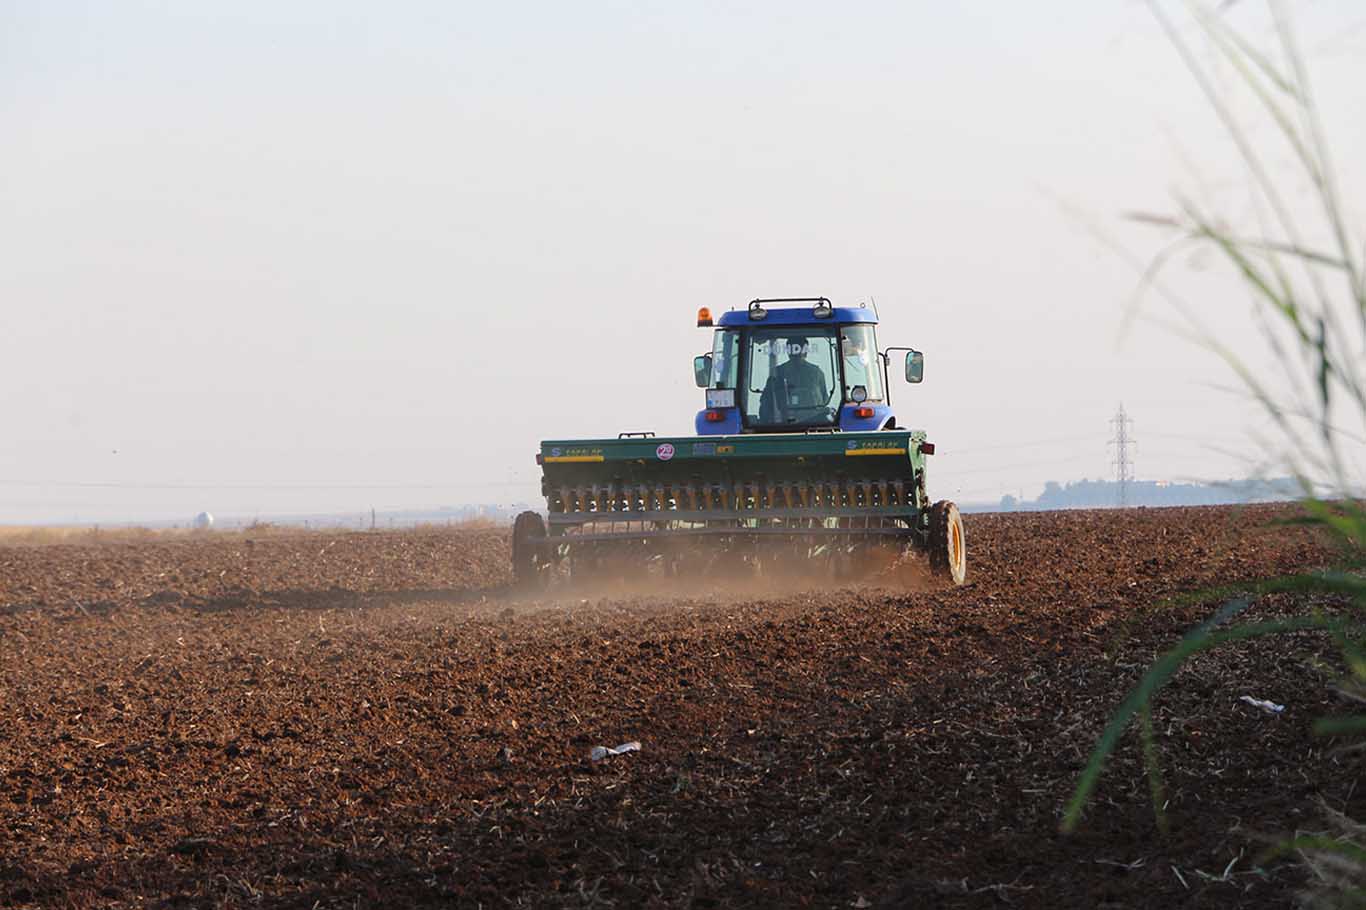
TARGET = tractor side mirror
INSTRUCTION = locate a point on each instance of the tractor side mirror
(915, 366)
(701, 370)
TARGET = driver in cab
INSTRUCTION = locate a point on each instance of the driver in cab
(795, 383)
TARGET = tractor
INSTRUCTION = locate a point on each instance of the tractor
(798, 456)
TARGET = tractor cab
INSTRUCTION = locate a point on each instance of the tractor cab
(794, 365)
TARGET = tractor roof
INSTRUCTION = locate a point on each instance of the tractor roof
(798, 316)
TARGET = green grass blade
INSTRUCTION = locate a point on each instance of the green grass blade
(1340, 726)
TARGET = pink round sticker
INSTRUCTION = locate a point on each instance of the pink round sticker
(665, 451)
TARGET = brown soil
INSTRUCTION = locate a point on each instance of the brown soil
(366, 720)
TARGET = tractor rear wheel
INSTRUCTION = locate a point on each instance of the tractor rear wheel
(948, 543)
(530, 551)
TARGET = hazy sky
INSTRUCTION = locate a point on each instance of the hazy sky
(264, 258)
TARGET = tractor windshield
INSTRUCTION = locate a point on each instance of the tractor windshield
(793, 378)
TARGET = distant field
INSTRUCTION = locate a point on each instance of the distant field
(39, 535)
(29, 535)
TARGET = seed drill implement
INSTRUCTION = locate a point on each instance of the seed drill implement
(798, 458)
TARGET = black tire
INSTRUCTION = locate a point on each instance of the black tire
(530, 550)
(948, 542)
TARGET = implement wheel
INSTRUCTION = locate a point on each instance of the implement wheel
(531, 560)
(948, 543)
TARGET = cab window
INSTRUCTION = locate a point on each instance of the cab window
(858, 349)
(725, 359)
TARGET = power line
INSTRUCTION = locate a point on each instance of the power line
(1124, 468)
(1022, 444)
(1015, 466)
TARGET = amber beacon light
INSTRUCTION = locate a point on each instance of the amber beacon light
(703, 318)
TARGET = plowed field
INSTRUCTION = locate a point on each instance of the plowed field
(367, 720)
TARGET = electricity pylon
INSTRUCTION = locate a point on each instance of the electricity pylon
(1123, 463)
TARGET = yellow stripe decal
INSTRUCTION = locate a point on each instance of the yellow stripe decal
(874, 451)
(551, 459)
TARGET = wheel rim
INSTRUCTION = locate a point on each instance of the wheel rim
(957, 555)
